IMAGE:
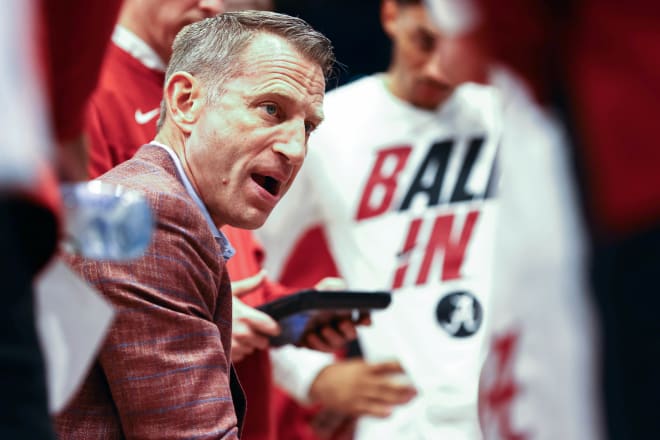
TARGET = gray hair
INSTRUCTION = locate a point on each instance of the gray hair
(211, 49)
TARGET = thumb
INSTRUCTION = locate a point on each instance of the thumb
(258, 321)
(331, 283)
(389, 367)
(247, 285)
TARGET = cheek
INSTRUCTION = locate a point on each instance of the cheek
(293, 179)
(203, 164)
(467, 60)
(411, 55)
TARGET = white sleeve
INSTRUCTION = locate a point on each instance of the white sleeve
(296, 368)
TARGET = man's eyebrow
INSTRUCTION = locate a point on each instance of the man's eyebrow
(317, 113)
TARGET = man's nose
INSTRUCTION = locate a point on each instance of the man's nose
(434, 68)
(212, 7)
(293, 143)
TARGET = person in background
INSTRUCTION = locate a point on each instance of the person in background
(581, 170)
(229, 144)
(605, 96)
(125, 106)
(401, 178)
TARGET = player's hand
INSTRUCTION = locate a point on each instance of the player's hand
(250, 330)
(358, 388)
(331, 283)
(336, 334)
(247, 285)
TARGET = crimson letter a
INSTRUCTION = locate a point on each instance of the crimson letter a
(379, 190)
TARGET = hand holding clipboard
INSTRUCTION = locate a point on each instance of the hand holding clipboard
(307, 310)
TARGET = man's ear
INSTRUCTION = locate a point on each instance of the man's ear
(389, 11)
(183, 96)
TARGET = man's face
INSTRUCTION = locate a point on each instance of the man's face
(247, 147)
(163, 19)
(419, 71)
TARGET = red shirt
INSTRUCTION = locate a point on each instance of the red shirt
(293, 420)
(74, 37)
(123, 111)
(255, 370)
(71, 39)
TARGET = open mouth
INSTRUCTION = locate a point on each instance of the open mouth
(270, 184)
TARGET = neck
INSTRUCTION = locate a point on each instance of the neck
(173, 139)
(392, 85)
(131, 22)
(176, 140)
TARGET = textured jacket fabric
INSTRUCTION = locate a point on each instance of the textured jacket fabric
(164, 371)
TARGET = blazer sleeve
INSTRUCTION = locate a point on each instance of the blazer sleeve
(166, 357)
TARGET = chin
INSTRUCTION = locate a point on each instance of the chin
(253, 225)
(250, 221)
(433, 103)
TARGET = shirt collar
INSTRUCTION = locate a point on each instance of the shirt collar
(137, 48)
(227, 249)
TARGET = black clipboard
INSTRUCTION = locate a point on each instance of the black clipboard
(305, 310)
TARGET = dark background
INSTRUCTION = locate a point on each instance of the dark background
(354, 28)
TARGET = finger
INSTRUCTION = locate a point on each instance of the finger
(246, 335)
(241, 334)
(331, 283)
(335, 336)
(373, 408)
(364, 319)
(247, 285)
(347, 330)
(238, 353)
(259, 322)
(253, 318)
(332, 337)
(386, 392)
(253, 342)
(391, 393)
(313, 341)
(387, 367)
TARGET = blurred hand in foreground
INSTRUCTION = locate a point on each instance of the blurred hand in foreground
(250, 327)
(355, 387)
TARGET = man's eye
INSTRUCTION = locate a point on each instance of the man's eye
(272, 109)
(424, 41)
(309, 127)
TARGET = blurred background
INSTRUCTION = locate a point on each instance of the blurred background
(353, 26)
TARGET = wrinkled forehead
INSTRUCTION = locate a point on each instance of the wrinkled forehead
(272, 65)
(270, 53)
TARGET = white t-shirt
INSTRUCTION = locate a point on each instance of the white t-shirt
(406, 199)
(540, 380)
